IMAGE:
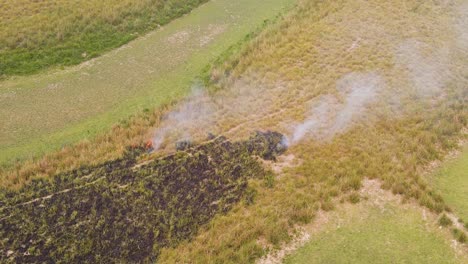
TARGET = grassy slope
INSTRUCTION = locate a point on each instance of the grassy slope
(43, 112)
(41, 34)
(372, 235)
(452, 181)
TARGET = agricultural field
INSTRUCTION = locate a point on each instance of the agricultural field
(331, 134)
(36, 35)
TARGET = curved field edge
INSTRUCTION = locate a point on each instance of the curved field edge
(41, 35)
(59, 121)
(451, 179)
(381, 232)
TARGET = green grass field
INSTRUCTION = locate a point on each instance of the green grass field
(35, 35)
(452, 181)
(372, 235)
(44, 112)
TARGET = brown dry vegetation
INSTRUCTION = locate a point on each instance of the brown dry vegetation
(296, 65)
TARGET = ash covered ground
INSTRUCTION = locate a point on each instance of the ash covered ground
(125, 211)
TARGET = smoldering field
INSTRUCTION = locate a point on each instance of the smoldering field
(378, 94)
(412, 70)
(356, 97)
(417, 69)
(362, 89)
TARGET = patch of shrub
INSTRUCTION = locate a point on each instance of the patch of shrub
(354, 198)
(445, 221)
(269, 180)
(459, 235)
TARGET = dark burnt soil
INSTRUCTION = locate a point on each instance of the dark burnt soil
(121, 212)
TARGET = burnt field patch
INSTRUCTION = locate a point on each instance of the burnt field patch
(125, 211)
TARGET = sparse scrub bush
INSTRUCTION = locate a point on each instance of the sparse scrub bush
(269, 180)
(354, 198)
(445, 221)
(459, 235)
(250, 195)
(327, 205)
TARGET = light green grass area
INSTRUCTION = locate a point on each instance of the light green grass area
(36, 35)
(372, 235)
(452, 181)
(44, 112)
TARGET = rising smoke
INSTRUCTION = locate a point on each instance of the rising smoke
(421, 68)
(331, 115)
(428, 73)
(195, 113)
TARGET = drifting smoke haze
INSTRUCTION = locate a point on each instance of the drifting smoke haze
(421, 71)
(225, 112)
(196, 112)
(330, 115)
(461, 27)
(319, 116)
(428, 73)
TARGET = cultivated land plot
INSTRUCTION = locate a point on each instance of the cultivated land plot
(43, 112)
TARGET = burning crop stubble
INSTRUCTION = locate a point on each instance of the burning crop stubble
(337, 100)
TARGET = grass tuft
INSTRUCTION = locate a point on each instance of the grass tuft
(445, 221)
(459, 235)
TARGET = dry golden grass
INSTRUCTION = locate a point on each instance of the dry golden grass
(290, 66)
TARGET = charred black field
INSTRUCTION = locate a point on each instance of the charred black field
(126, 211)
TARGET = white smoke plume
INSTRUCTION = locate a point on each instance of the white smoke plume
(422, 68)
(428, 68)
(195, 112)
(317, 120)
(461, 27)
(330, 115)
